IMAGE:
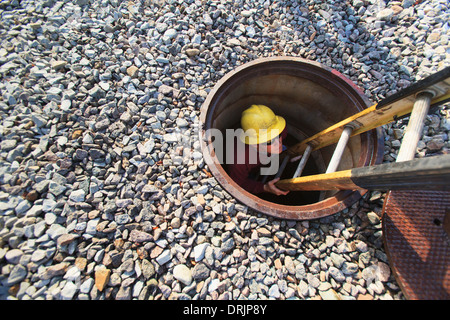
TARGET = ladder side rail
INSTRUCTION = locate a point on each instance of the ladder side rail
(430, 173)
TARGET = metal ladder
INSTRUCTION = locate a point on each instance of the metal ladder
(415, 100)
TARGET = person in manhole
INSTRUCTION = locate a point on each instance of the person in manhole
(259, 144)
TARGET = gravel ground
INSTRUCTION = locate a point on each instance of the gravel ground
(94, 202)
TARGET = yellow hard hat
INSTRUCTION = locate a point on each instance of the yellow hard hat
(260, 124)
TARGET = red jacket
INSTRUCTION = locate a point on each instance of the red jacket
(244, 173)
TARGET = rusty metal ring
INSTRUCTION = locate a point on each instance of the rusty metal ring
(372, 142)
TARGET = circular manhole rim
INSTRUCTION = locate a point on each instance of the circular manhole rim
(342, 200)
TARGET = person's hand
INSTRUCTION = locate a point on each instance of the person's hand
(270, 187)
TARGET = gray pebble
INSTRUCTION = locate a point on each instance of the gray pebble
(183, 274)
(164, 257)
(13, 256)
(18, 273)
(77, 195)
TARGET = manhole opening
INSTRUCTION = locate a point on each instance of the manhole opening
(311, 98)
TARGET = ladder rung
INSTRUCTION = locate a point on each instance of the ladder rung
(339, 151)
(415, 126)
(282, 167)
(302, 163)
